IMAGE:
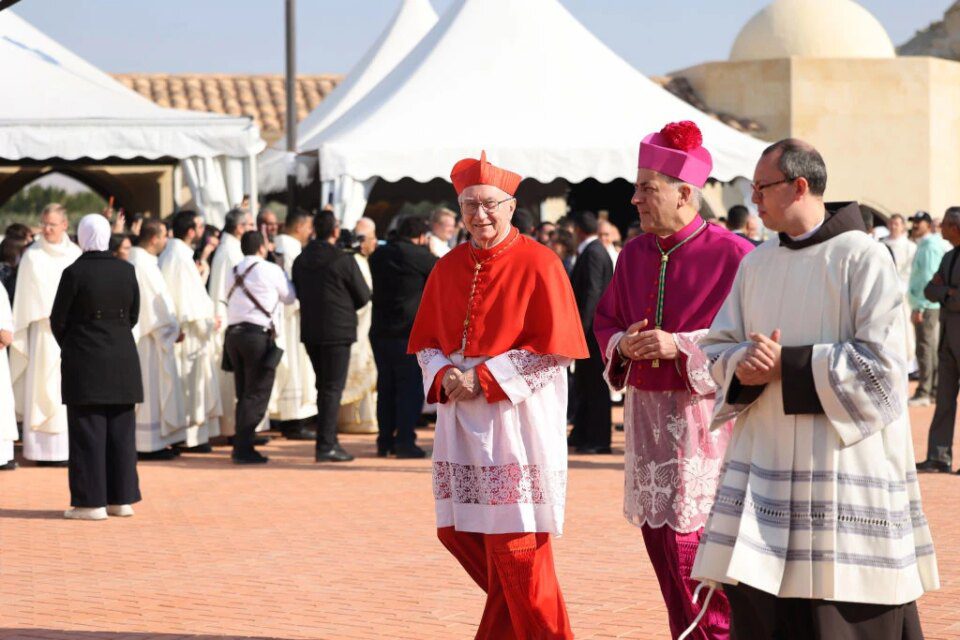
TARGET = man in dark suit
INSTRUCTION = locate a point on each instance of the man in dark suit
(591, 274)
(944, 288)
(331, 289)
(400, 271)
(96, 306)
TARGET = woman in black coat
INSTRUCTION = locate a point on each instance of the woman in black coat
(94, 312)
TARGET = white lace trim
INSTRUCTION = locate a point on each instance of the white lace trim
(536, 370)
(426, 356)
(504, 484)
(698, 365)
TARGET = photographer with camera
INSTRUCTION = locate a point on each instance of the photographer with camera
(255, 290)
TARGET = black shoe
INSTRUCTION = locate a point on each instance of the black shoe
(411, 453)
(163, 454)
(300, 433)
(933, 466)
(258, 441)
(383, 452)
(52, 463)
(251, 457)
(593, 450)
(10, 466)
(200, 448)
(337, 454)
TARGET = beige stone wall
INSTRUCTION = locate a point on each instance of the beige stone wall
(889, 130)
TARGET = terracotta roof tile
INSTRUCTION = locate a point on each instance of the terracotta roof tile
(263, 97)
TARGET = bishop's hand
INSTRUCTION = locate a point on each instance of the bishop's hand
(467, 387)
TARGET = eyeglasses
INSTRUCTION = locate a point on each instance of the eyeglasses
(472, 207)
(759, 188)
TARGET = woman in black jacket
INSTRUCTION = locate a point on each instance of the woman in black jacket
(94, 312)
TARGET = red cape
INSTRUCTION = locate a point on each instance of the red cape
(523, 300)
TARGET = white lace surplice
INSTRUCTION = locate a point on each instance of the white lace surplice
(672, 460)
(502, 467)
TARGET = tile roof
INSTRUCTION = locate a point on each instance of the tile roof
(263, 97)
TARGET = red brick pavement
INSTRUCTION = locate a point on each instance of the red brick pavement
(298, 550)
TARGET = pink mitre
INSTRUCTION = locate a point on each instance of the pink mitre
(677, 151)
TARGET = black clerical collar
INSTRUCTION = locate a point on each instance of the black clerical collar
(841, 217)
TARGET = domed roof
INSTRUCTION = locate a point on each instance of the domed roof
(812, 29)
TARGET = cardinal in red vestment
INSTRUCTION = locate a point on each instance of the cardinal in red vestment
(496, 329)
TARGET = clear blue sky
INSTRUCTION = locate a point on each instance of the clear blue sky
(246, 36)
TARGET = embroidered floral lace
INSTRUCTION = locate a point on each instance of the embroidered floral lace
(498, 485)
(672, 460)
(535, 369)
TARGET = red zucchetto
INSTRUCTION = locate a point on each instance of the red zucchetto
(471, 171)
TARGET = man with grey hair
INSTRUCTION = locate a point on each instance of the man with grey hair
(443, 225)
(358, 404)
(667, 287)
(944, 289)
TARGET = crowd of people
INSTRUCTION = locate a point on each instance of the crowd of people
(768, 454)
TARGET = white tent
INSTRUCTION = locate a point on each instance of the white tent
(524, 80)
(412, 21)
(58, 106)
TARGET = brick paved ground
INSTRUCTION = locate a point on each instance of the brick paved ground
(297, 550)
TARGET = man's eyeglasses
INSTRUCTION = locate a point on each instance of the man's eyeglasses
(759, 188)
(472, 207)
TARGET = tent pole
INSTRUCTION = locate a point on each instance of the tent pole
(291, 38)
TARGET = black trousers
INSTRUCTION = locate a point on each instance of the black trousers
(246, 346)
(103, 455)
(592, 421)
(940, 437)
(399, 393)
(331, 363)
(756, 615)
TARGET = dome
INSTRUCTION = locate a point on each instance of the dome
(812, 29)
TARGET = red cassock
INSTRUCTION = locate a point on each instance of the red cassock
(484, 303)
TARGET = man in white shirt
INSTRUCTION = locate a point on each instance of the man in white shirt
(255, 290)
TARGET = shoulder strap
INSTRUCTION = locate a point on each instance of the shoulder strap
(238, 282)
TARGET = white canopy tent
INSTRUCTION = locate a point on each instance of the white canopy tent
(412, 21)
(60, 107)
(522, 79)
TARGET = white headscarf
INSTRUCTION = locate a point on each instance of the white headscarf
(94, 232)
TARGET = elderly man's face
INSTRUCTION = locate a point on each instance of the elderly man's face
(657, 201)
(245, 224)
(53, 225)
(486, 226)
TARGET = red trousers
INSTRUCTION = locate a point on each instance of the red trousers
(516, 570)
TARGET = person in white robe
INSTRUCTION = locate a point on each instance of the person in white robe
(225, 258)
(8, 415)
(294, 401)
(35, 354)
(161, 417)
(196, 356)
(358, 405)
(903, 249)
(817, 525)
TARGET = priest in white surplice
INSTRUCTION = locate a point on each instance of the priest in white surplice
(35, 354)
(228, 255)
(161, 417)
(8, 416)
(358, 405)
(196, 362)
(817, 526)
(294, 401)
(496, 329)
